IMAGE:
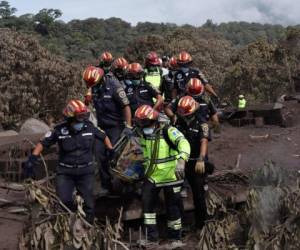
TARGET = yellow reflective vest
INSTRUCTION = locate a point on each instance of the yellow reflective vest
(160, 158)
(242, 103)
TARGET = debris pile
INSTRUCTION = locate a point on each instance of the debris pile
(269, 219)
(52, 225)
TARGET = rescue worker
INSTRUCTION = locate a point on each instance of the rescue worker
(195, 128)
(119, 67)
(242, 102)
(165, 151)
(75, 138)
(138, 91)
(185, 73)
(113, 115)
(153, 72)
(106, 60)
(196, 89)
(168, 81)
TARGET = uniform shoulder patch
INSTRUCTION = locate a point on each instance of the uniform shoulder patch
(122, 94)
(175, 132)
(64, 131)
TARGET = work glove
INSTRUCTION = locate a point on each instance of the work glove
(128, 131)
(200, 167)
(29, 165)
(179, 171)
(110, 153)
(87, 100)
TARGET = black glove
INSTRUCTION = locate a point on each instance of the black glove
(209, 168)
(110, 153)
(127, 131)
(29, 165)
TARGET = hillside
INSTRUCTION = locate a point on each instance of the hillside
(33, 81)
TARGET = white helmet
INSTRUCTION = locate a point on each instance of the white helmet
(241, 96)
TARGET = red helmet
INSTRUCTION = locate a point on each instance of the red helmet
(173, 62)
(184, 58)
(152, 59)
(76, 109)
(106, 57)
(145, 115)
(92, 75)
(120, 63)
(195, 87)
(186, 106)
(135, 70)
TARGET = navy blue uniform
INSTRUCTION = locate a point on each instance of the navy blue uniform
(140, 94)
(109, 100)
(206, 111)
(75, 168)
(182, 77)
(168, 85)
(194, 132)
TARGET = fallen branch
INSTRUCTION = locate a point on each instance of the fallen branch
(253, 137)
(237, 165)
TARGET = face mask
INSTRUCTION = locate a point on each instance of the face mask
(128, 82)
(77, 126)
(184, 69)
(136, 82)
(148, 131)
(106, 69)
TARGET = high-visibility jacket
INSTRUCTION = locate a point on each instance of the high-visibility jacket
(154, 77)
(161, 155)
(242, 103)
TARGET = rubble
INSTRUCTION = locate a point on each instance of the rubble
(33, 126)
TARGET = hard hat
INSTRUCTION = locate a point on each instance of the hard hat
(186, 106)
(92, 75)
(195, 87)
(145, 115)
(241, 96)
(76, 109)
(184, 58)
(152, 59)
(135, 70)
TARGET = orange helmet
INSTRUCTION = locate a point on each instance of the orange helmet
(106, 57)
(184, 58)
(119, 67)
(145, 115)
(195, 87)
(186, 106)
(76, 109)
(135, 70)
(92, 75)
(152, 59)
(120, 63)
(173, 62)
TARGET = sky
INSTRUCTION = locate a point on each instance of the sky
(194, 12)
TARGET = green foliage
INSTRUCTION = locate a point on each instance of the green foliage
(5, 10)
(47, 16)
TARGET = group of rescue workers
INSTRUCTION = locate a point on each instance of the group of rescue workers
(125, 96)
